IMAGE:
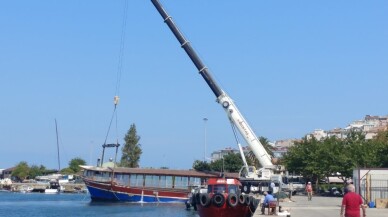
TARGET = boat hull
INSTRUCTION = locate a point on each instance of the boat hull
(220, 205)
(106, 191)
(225, 211)
(142, 185)
(51, 191)
(223, 198)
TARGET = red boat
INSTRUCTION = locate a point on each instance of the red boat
(223, 198)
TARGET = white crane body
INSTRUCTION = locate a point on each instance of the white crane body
(245, 130)
(267, 172)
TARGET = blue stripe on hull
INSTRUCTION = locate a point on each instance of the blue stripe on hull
(104, 195)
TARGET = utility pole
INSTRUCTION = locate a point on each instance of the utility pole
(205, 121)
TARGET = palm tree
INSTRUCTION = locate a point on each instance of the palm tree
(265, 142)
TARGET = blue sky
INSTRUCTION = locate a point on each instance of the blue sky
(290, 66)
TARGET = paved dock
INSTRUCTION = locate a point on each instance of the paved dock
(319, 207)
(68, 187)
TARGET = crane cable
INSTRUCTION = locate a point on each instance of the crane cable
(239, 146)
(119, 70)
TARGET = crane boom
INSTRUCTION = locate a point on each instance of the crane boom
(223, 99)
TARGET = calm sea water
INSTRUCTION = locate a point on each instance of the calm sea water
(68, 205)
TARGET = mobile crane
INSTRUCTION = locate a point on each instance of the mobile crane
(249, 176)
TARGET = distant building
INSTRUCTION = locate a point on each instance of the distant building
(317, 134)
(337, 132)
(7, 173)
(278, 152)
(370, 125)
(216, 155)
(281, 147)
(285, 143)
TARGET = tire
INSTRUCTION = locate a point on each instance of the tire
(204, 200)
(232, 199)
(247, 200)
(254, 204)
(246, 188)
(218, 199)
(241, 199)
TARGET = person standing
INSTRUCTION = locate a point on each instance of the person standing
(351, 204)
(309, 191)
(291, 191)
(346, 186)
(271, 187)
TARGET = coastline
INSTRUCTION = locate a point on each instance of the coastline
(68, 187)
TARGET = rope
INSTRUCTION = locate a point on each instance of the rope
(234, 132)
(238, 144)
(110, 123)
(119, 70)
(122, 46)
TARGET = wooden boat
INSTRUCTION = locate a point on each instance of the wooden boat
(142, 185)
(223, 198)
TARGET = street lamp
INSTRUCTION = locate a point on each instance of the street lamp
(204, 157)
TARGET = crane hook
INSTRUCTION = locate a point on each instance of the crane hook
(116, 100)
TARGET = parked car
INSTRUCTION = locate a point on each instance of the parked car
(332, 192)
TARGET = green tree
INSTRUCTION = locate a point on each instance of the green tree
(67, 171)
(380, 142)
(231, 162)
(296, 157)
(334, 156)
(334, 159)
(353, 144)
(302, 158)
(36, 171)
(131, 151)
(21, 171)
(201, 165)
(75, 163)
(363, 152)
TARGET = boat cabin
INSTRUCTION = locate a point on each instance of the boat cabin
(221, 185)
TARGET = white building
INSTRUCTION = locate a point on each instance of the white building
(317, 134)
(370, 125)
(216, 155)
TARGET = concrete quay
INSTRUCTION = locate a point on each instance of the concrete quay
(319, 207)
(68, 187)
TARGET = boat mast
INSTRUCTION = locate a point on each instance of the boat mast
(56, 131)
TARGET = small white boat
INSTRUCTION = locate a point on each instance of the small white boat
(26, 189)
(51, 191)
(53, 188)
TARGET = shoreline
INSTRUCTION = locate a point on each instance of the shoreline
(68, 187)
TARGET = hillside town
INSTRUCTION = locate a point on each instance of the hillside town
(370, 126)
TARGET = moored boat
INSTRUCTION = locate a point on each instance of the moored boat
(107, 182)
(26, 189)
(53, 188)
(142, 185)
(223, 198)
